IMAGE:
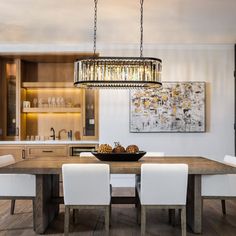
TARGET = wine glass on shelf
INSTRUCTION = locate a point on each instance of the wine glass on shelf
(35, 102)
(49, 101)
(58, 101)
(40, 104)
(53, 101)
(62, 102)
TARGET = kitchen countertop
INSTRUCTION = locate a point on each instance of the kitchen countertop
(68, 142)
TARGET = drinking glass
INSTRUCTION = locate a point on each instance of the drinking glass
(49, 101)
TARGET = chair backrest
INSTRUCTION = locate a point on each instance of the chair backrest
(16, 185)
(86, 184)
(86, 154)
(164, 184)
(230, 160)
(154, 154)
(6, 160)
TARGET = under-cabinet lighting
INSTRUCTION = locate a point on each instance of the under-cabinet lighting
(52, 90)
(50, 114)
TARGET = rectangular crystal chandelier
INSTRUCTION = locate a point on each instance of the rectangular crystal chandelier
(119, 72)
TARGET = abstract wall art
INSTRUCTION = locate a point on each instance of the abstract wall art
(177, 107)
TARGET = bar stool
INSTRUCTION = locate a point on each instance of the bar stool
(15, 186)
(86, 186)
(163, 186)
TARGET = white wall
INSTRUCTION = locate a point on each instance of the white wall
(212, 64)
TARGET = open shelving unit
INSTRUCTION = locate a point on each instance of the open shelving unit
(50, 77)
(45, 81)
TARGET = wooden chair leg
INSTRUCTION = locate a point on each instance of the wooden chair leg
(136, 198)
(110, 215)
(107, 219)
(179, 217)
(143, 220)
(169, 216)
(67, 221)
(137, 181)
(13, 202)
(183, 221)
(139, 213)
(33, 206)
(172, 217)
(223, 205)
(75, 214)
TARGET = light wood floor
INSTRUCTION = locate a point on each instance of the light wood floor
(123, 221)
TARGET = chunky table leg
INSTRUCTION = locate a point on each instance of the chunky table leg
(194, 204)
(47, 186)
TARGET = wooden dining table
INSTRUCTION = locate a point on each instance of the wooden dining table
(48, 170)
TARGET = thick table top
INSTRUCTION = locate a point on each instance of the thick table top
(52, 165)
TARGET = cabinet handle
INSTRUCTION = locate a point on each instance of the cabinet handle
(17, 131)
(71, 151)
(23, 154)
(47, 151)
(84, 131)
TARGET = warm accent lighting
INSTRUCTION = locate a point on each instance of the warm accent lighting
(11, 69)
(118, 72)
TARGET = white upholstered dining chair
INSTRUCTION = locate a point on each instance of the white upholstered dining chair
(163, 186)
(86, 186)
(221, 187)
(15, 186)
(137, 177)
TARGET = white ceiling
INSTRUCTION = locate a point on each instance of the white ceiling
(71, 21)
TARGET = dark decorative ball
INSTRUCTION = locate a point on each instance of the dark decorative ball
(118, 149)
(132, 149)
(104, 148)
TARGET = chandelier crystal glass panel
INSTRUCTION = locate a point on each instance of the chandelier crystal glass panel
(118, 72)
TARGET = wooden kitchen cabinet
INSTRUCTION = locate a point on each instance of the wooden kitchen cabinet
(18, 151)
(10, 99)
(45, 80)
(90, 115)
(46, 150)
(26, 150)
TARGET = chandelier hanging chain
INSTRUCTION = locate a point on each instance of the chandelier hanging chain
(141, 28)
(95, 27)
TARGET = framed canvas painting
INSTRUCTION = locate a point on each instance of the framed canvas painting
(177, 107)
